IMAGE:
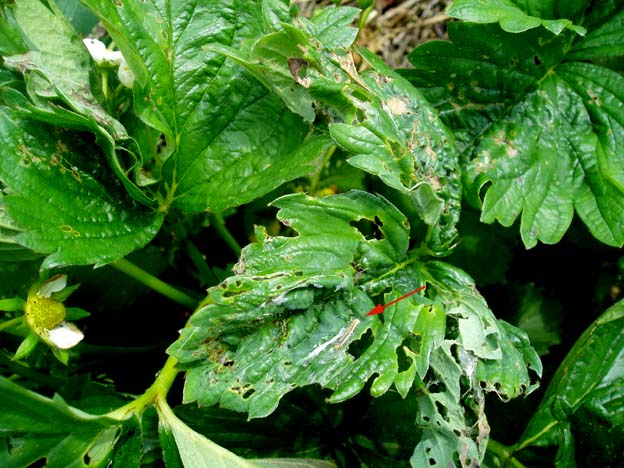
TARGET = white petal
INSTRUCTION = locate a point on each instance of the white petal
(112, 58)
(125, 75)
(65, 336)
(54, 284)
(101, 55)
(96, 48)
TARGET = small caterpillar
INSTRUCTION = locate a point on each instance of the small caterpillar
(344, 337)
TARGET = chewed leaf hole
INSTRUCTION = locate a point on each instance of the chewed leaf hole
(442, 410)
(403, 360)
(492, 341)
(369, 229)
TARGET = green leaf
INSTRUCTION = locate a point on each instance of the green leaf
(590, 380)
(540, 134)
(402, 141)
(10, 250)
(58, 68)
(228, 139)
(49, 428)
(510, 15)
(58, 202)
(195, 451)
(605, 41)
(11, 41)
(13, 304)
(377, 115)
(294, 315)
(292, 463)
(81, 18)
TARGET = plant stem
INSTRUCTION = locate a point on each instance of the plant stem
(315, 179)
(504, 454)
(11, 323)
(219, 224)
(154, 283)
(157, 392)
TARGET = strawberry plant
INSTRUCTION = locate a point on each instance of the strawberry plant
(145, 142)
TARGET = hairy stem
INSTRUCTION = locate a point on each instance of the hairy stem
(154, 283)
(153, 395)
(504, 454)
(219, 224)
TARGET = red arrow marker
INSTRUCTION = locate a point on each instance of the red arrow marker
(378, 309)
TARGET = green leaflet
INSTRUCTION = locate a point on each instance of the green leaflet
(540, 133)
(59, 200)
(193, 449)
(512, 17)
(228, 139)
(379, 117)
(62, 434)
(294, 315)
(67, 437)
(62, 89)
(10, 250)
(586, 394)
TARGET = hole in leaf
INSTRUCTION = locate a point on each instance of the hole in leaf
(288, 363)
(452, 328)
(442, 410)
(357, 94)
(537, 61)
(231, 293)
(436, 387)
(357, 346)
(416, 343)
(432, 462)
(404, 361)
(247, 393)
(369, 229)
(492, 341)
(483, 190)
(87, 459)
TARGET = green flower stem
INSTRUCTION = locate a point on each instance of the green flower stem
(219, 224)
(504, 454)
(155, 395)
(154, 283)
(11, 323)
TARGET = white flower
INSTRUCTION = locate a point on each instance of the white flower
(125, 75)
(101, 55)
(45, 314)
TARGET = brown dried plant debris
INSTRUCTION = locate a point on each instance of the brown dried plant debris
(395, 27)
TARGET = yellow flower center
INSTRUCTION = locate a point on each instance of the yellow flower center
(43, 313)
